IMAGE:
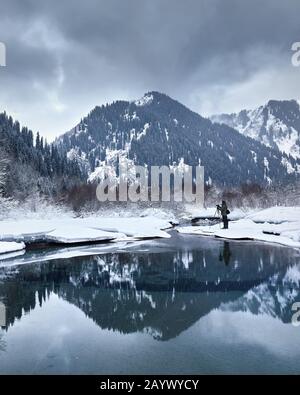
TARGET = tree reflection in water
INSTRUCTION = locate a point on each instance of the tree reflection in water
(2, 343)
(161, 292)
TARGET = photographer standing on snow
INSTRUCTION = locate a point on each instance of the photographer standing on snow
(224, 212)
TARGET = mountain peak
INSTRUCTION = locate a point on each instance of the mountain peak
(146, 99)
(275, 124)
(285, 104)
(151, 97)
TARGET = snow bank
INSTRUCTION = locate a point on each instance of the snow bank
(25, 230)
(137, 227)
(246, 229)
(160, 213)
(277, 224)
(79, 230)
(276, 215)
(7, 247)
(68, 234)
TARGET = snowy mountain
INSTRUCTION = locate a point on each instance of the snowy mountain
(273, 297)
(276, 124)
(157, 130)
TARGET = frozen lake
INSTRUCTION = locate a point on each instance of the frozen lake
(186, 304)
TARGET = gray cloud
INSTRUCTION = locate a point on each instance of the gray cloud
(64, 57)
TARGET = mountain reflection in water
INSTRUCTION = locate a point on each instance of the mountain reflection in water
(162, 287)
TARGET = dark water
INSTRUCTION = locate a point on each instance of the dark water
(183, 305)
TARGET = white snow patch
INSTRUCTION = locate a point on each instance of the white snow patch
(231, 158)
(79, 230)
(276, 215)
(287, 164)
(108, 167)
(6, 247)
(254, 156)
(68, 234)
(280, 225)
(292, 275)
(147, 99)
(144, 132)
(167, 134)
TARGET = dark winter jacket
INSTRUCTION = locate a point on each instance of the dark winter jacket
(223, 209)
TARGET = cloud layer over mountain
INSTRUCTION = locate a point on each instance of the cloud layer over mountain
(64, 57)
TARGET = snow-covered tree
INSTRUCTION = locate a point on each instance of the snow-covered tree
(3, 168)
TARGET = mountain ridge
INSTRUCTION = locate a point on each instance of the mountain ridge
(158, 130)
(275, 124)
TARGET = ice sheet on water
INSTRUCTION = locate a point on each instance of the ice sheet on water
(7, 247)
(77, 230)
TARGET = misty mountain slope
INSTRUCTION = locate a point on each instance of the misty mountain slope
(276, 124)
(157, 130)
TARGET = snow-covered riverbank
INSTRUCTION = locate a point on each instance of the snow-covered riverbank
(279, 225)
(13, 234)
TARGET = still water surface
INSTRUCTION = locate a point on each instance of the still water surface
(182, 305)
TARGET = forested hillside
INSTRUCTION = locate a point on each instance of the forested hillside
(157, 130)
(29, 164)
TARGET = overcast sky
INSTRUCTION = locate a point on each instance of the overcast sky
(66, 56)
